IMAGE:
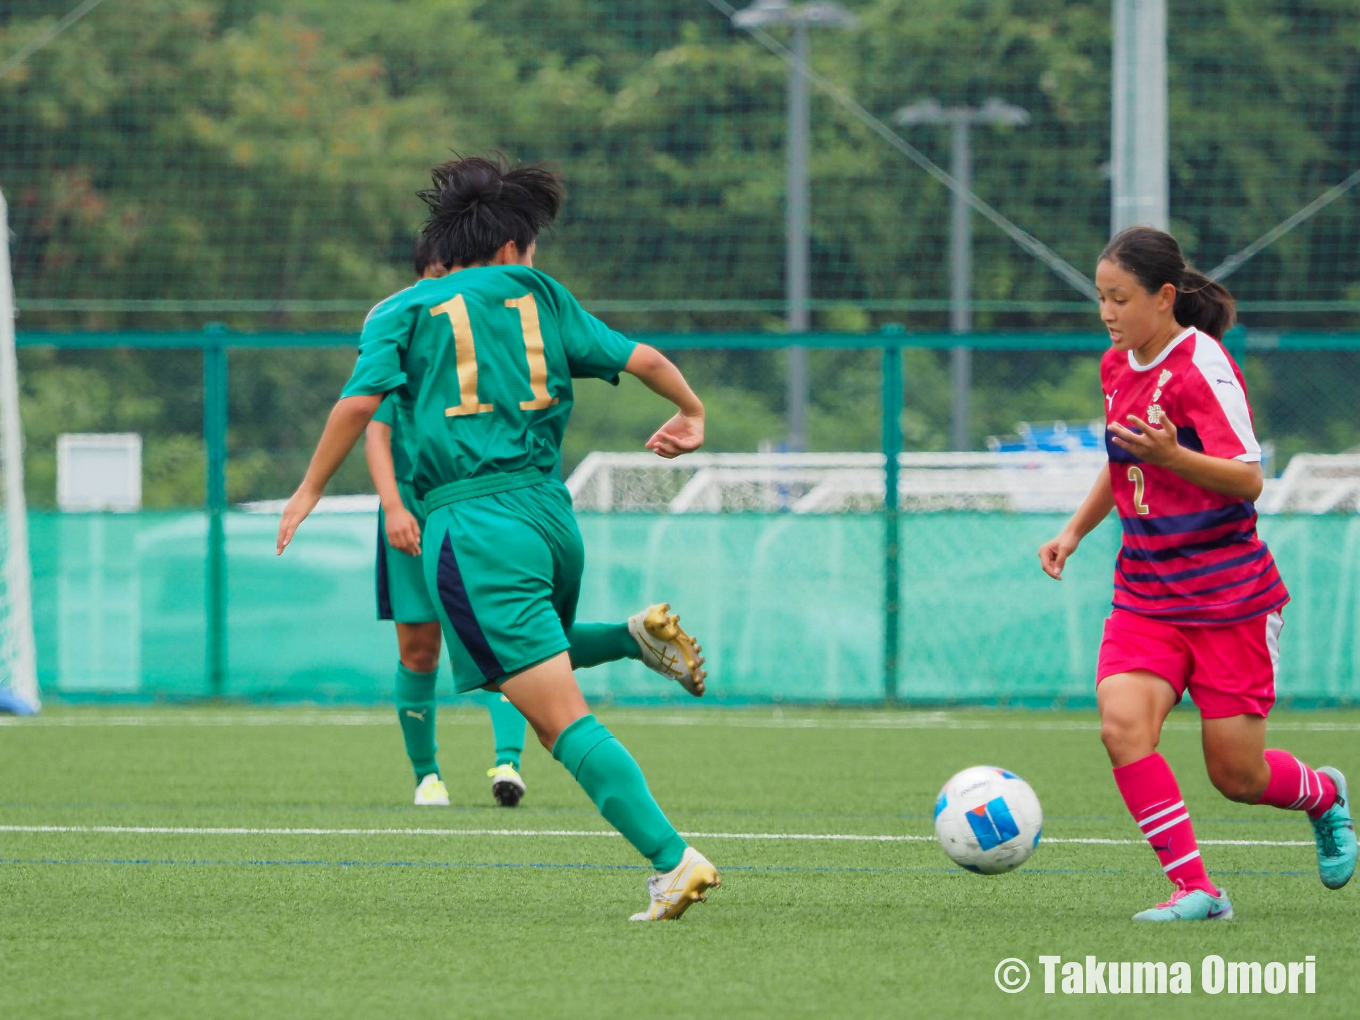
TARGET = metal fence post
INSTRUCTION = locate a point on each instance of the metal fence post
(891, 403)
(215, 440)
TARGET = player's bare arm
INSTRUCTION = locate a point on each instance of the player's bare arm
(684, 433)
(402, 530)
(348, 419)
(1158, 446)
(1094, 509)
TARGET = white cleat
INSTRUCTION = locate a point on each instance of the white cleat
(668, 650)
(432, 792)
(674, 891)
(507, 785)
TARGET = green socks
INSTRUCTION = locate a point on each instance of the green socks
(415, 711)
(612, 779)
(595, 643)
(507, 726)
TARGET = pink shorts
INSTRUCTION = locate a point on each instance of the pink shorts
(1228, 670)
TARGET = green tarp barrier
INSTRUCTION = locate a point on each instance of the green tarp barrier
(789, 608)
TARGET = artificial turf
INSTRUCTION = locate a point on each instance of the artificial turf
(363, 917)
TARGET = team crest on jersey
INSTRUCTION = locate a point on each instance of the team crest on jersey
(1162, 380)
(1154, 411)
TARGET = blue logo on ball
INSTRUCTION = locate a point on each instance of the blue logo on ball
(992, 823)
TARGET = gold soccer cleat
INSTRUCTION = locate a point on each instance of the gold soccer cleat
(674, 891)
(667, 649)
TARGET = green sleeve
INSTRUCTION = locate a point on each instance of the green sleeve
(593, 349)
(382, 348)
(386, 411)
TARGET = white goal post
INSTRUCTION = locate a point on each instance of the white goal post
(1016, 482)
(18, 665)
(1029, 482)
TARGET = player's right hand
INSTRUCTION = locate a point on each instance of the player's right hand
(300, 504)
(402, 530)
(1053, 554)
(684, 433)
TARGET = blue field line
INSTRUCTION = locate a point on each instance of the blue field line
(509, 865)
(1263, 818)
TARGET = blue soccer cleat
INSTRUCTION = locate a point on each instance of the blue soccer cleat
(1335, 835)
(1190, 905)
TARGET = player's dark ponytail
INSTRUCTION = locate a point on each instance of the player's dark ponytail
(1154, 257)
(477, 205)
(1204, 304)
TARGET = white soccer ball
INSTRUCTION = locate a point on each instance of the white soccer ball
(988, 820)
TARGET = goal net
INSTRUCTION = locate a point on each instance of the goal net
(820, 483)
(18, 669)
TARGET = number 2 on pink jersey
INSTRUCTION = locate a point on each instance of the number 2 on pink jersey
(1136, 477)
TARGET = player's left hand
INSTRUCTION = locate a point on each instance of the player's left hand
(1151, 445)
(402, 531)
(682, 434)
(299, 506)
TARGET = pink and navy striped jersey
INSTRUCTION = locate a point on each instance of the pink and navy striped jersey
(1190, 555)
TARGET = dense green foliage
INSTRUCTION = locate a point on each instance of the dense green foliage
(253, 162)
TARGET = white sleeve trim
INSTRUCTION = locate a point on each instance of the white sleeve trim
(1217, 370)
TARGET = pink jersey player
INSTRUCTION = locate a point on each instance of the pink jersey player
(1190, 555)
(1197, 596)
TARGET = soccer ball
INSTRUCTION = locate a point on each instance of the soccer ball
(988, 820)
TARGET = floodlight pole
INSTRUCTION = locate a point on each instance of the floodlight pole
(960, 120)
(796, 233)
(960, 277)
(1139, 192)
(801, 19)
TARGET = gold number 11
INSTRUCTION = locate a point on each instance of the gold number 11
(465, 350)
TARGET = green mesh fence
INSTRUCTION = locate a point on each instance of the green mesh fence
(788, 607)
(253, 162)
(278, 398)
(975, 619)
(158, 394)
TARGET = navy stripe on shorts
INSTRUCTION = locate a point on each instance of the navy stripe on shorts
(454, 597)
(384, 586)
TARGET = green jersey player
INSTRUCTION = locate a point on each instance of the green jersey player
(403, 598)
(486, 356)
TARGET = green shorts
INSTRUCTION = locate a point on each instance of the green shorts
(505, 572)
(402, 595)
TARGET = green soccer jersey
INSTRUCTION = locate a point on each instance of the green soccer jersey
(395, 413)
(484, 358)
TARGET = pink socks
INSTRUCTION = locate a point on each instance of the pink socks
(1154, 799)
(1295, 787)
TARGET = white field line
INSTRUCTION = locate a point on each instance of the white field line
(736, 718)
(814, 837)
